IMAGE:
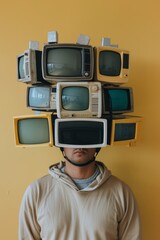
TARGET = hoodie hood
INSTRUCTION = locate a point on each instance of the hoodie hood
(55, 172)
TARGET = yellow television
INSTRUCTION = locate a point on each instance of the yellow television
(33, 130)
(112, 65)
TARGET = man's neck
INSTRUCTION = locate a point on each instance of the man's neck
(76, 172)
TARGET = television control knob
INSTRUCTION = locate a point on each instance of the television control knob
(86, 74)
(94, 88)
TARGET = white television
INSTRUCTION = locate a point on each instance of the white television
(29, 68)
(41, 98)
(80, 132)
(79, 99)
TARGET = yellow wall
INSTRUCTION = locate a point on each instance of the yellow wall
(134, 25)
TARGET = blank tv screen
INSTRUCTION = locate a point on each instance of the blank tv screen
(39, 97)
(80, 132)
(21, 71)
(33, 131)
(119, 99)
(109, 63)
(64, 62)
(75, 98)
(124, 131)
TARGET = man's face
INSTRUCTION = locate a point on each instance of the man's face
(80, 155)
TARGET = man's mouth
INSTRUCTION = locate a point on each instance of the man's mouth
(80, 150)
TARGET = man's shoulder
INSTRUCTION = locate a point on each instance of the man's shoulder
(119, 186)
(42, 181)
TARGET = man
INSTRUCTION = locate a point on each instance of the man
(79, 200)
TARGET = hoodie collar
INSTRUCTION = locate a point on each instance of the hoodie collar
(55, 171)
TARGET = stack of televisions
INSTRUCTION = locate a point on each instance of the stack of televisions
(77, 95)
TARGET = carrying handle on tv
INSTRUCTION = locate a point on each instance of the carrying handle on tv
(34, 45)
(52, 37)
(107, 42)
(83, 39)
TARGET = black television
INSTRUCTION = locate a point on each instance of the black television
(117, 100)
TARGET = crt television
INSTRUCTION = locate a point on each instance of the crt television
(79, 99)
(124, 130)
(67, 62)
(41, 98)
(33, 130)
(29, 68)
(117, 100)
(80, 132)
(112, 65)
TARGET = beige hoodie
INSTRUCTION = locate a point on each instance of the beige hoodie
(53, 208)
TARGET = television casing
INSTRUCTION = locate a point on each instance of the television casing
(20, 143)
(86, 59)
(94, 108)
(122, 74)
(109, 101)
(31, 67)
(76, 132)
(130, 123)
(49, 106)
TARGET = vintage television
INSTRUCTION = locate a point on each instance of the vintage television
(124, 130)
(112, 65)
(33, 130)
(79, 99)
(41, 98)
(29, 68)
(117, 100)
(67, 62)
(80, 132)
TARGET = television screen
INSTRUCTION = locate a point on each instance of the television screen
(21, 68)
(124, 130)
(75, 98)
(41, 98)
(117, 100)
(29, 68)
(33, 130)
(79, 99)
(112, 65)
(80, 132)
(63, 62)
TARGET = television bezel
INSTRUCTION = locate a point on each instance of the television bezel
(124, 72)
(126, 119)
(54, 79)
(93, 87)
(60, 120)
(50, 127)
(52, 97)
(105, 112)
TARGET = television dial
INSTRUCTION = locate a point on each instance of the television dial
(125, 75)
(94, 88)
(86, 74)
